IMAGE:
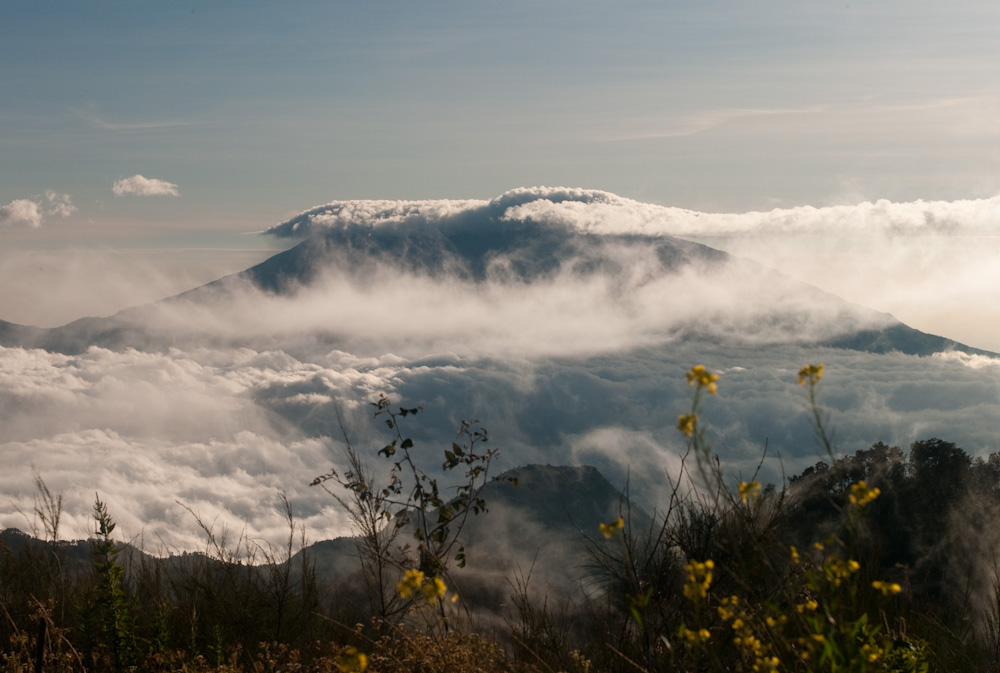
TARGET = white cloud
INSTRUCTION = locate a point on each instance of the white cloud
(223, 430)
(32, 213)
(143, 186)
(59, 205)
(21, 211)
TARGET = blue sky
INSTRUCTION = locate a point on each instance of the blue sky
(255, 111)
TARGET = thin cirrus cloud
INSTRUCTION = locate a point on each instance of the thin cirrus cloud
(31, 213)
(143, 186)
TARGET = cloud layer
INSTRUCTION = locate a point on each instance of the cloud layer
(222, 432)
(142, 186)
(240, 394)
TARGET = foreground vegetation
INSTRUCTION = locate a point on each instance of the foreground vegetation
(880, 561)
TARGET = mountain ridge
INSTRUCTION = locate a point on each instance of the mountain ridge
(459, 250)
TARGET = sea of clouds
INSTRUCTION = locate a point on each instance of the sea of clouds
(567, 368)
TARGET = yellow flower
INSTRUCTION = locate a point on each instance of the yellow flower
(412, 579)
(699, 579)
(810, 374)
(873, 653)
(887, 588)
(351, 661)
(416, 583)
(749, 490)
(702, 378)
(693, 637)
(809, 606)
(838, 570)
(768, 663)
(686, 423)
(434, 590)
(609, 529)
(861, 495)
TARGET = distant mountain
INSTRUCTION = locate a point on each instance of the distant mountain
(477, 243)
(518, 251)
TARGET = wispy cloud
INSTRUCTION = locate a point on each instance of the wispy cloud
(138, 126)
(693, 124)
(91, 117)
(59, 205)
(143, 186)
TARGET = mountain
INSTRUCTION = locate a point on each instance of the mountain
(496, 244)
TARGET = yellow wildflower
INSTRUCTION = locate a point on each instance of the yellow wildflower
(838, 570)
(699, 579)
(861, 495)
(694, 637)
(810, 374)
(412, 580)
(434, 590)
(351, 661)
(809, 606)
(609, 529)
(749, 490)
(702, 378)
(725, 611)
(767, 664)
(887, 588)
(686, 423)
(416, 583)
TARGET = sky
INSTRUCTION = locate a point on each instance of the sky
(143, 144)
